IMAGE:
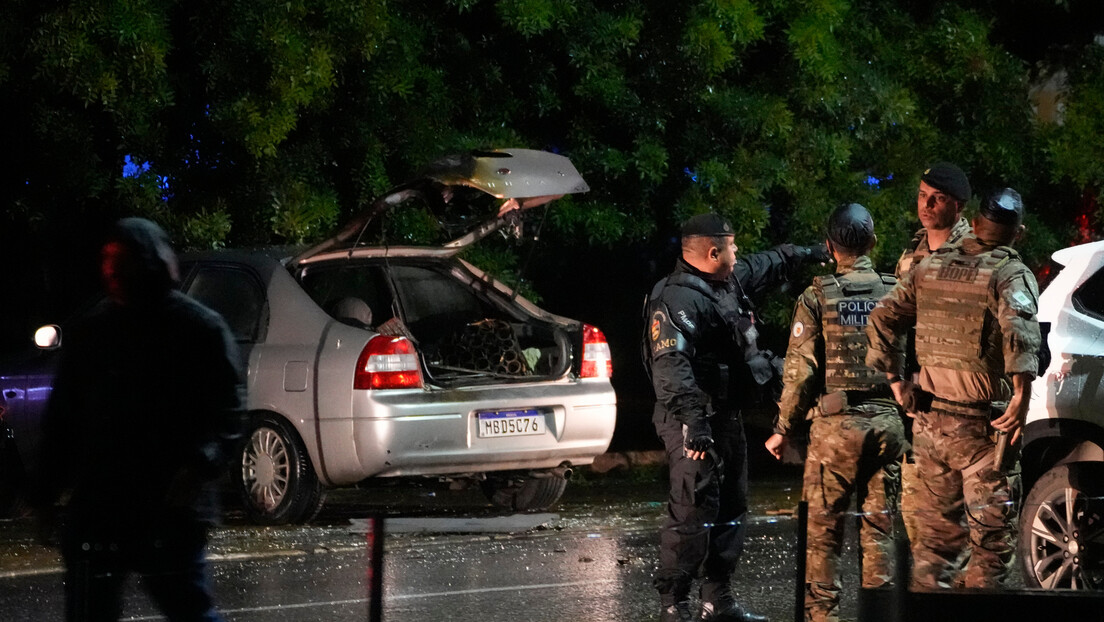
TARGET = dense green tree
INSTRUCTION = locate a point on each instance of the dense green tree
(270, 122)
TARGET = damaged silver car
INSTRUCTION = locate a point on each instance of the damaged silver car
(375, 354)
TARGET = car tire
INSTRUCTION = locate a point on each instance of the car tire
(524, 494)
(1062, 529)
(275, 479)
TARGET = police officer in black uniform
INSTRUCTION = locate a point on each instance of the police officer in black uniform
(705, 365)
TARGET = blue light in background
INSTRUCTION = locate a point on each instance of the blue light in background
(130, 169)
(691, 174)
(134, 169)
(876, 182)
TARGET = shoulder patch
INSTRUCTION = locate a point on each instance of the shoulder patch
(798, 329)
(1022, 299)
(657, 320)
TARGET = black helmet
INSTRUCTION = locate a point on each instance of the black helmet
(1003, 207)
(851, 227)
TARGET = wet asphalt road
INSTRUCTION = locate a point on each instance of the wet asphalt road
(592, 561)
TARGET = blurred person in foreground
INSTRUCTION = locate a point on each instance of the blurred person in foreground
(857, 436)
(705, 364)
(146, 406)
(977, 341)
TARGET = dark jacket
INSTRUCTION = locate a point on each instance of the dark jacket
(146, 404)
(701, 334)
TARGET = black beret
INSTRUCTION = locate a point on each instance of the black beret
(706, 224)
(1004, 207)
(948, 179)
(851, 226)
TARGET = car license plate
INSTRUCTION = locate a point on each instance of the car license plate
(522, 422)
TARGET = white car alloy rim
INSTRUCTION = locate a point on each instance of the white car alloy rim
(266, 468)
(1065, 531)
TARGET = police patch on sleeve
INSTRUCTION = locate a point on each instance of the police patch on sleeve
(1022, 299)
(664, 335)
(798, 329)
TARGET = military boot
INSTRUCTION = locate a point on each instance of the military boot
(678, 612)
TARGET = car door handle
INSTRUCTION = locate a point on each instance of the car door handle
(11, 394)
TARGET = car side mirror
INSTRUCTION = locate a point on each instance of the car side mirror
(48, 337)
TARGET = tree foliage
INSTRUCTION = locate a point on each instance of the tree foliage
(271, 122)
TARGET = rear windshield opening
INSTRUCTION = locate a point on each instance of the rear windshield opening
(461, 334)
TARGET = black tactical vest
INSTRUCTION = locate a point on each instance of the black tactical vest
(732, 340)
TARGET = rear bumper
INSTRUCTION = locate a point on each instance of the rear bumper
(432, 432)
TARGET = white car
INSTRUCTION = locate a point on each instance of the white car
(1062, 519)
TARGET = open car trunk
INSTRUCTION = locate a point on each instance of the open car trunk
(396, 262)
(471, 333)
(465, 327)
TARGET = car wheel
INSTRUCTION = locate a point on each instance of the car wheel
(276, 481)
(1062, 529)
(524, 494)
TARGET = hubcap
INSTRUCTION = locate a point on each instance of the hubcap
(266, 467)
(1065, 531)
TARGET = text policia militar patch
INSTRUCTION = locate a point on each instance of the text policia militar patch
(854, 312)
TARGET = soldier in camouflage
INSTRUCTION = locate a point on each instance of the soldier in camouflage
(701, 350)
(857, 436)
(974, 309)
(940, 199)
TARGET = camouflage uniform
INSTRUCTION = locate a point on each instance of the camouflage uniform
(974, 311)
(857, 437)
(917, 250)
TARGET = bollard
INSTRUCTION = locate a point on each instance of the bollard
(902, 577)
(375, 568)
(802, 544)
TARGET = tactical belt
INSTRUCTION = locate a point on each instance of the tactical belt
(960, 409)
(837, 402)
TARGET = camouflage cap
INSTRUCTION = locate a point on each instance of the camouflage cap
(706, 225)
(948, 179)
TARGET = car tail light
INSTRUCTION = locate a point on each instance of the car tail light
(597, 361)
(388, 363)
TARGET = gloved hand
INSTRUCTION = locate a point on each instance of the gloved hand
(819, 253)
(697, 439)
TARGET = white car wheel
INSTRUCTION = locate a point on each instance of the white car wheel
(1062, 530)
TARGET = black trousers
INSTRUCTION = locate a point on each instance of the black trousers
(703, 535)
(169, 557)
